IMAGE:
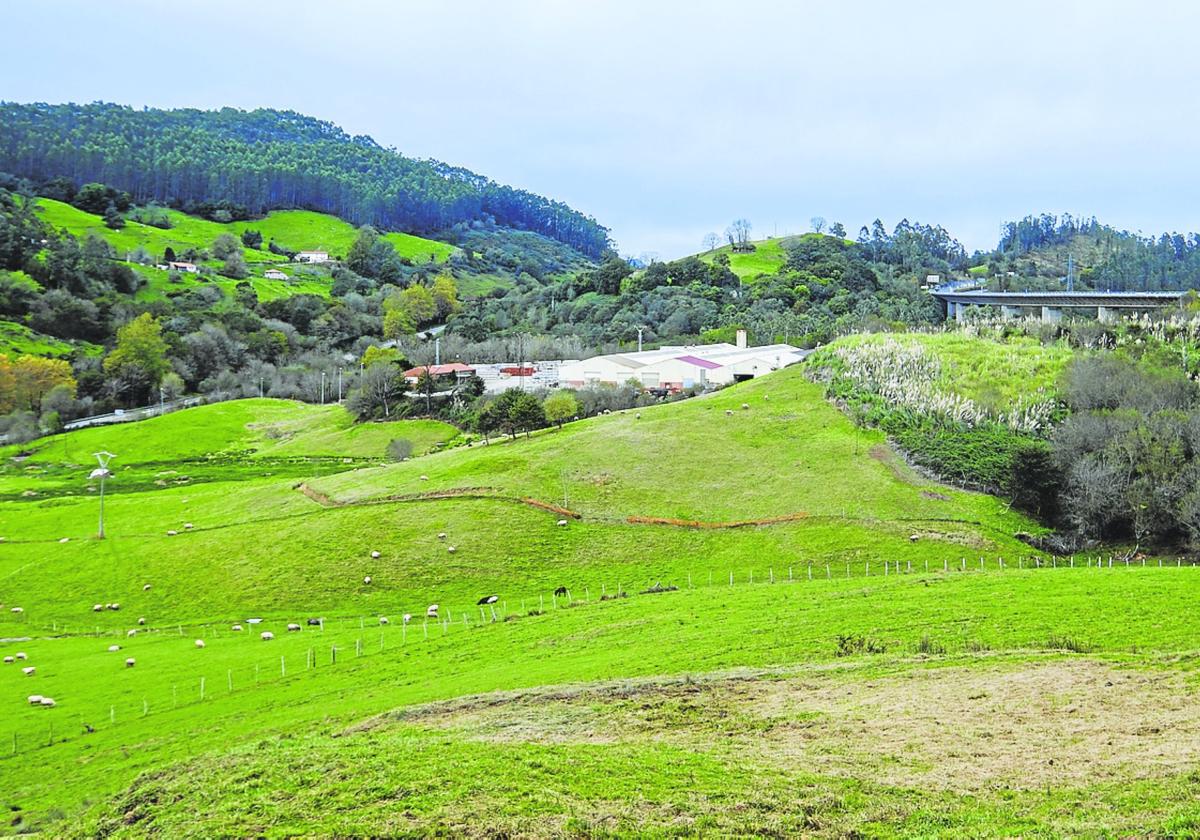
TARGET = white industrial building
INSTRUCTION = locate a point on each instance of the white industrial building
(678, 367)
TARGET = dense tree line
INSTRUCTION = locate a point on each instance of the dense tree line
(232, 164)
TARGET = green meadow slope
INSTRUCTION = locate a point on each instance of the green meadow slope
(875, 654)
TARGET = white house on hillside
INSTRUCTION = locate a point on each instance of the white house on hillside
(313, 257)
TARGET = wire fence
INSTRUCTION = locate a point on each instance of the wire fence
(356, 638)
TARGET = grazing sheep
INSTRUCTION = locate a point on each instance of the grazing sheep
(383, 619)
(97, 608)
(21, 655)
(17, 609)
(767, 397)
(237, 628)
(728, 412)
(65, 540)
(113, 648)
(199, 643)
(8, 660)
(293, 628)
(637, 416)
(914, 537)
(114, 606)
(407, 617)
(146, 588)
(367, 580)
(172, 533)
(442, 535)
(451, 549)
(424, 478)
(187, 526)
(313, 622)
(47, 701)
(375, 555)
(266, 635)
(130, 662)
(141, 621)
(561, 591)
(28, 671)
(745, 406)
(562, 523)
(432, 611)
(254, 621)
(487, 599)
(35, 699)
(130, 632)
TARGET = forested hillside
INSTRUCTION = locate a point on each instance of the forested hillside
(231, 164)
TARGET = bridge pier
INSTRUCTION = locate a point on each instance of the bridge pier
(1010, 311)
(1106, 315)
(1051, 314)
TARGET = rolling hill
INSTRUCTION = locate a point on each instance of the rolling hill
(818, 582)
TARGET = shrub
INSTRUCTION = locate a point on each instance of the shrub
(930, 646)
(1061, 641)
(852, 644)
(399, 449)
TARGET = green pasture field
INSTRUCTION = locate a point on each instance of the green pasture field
(886, 660)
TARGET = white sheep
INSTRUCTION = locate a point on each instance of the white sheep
(113, 648)
(432, 611)
(766, 397)
(254, 621)
(407, 617)
(266, 635)
(97, 608)
(637, 416)
(114, 606)
(8, 660)
(29, 671)
(141, 621)
(375, 555)
(47, 701)
(745, 406)
(187, 526)
(21, 655)
(293, 628)
(172, 533)
(35, 699)
(383, 619)
(130, 662)
(451, 549)
(424, 478)
(367, 580)
(146, 587)
(442, 535)
(199, 643)
(728, 412)
(17, 609)
(237, 628)
(562, 523)
(130, 632)
(65, 540)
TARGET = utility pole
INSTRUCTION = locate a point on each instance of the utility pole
(161, 402)
(640, 329)
(322, 387)
(260, 387)
(102, 472)
(339, 385)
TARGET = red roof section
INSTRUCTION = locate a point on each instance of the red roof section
(439, 370)
(698, 362)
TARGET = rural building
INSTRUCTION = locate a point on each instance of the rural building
(456, 369)
(189, 268)
(312, 257)
(274, 274)
(675, 368)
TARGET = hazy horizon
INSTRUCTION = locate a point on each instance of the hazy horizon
(667, 123)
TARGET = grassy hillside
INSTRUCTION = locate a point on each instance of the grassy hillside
(727, 706)
(294, 229)
(767, 257)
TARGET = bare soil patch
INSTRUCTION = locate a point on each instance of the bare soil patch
(994, 725)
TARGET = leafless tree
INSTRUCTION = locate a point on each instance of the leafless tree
(710, 241)
(818, 223)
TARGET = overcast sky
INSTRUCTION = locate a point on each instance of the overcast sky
(666, 120)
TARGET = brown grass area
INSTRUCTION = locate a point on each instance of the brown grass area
(996, 724)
